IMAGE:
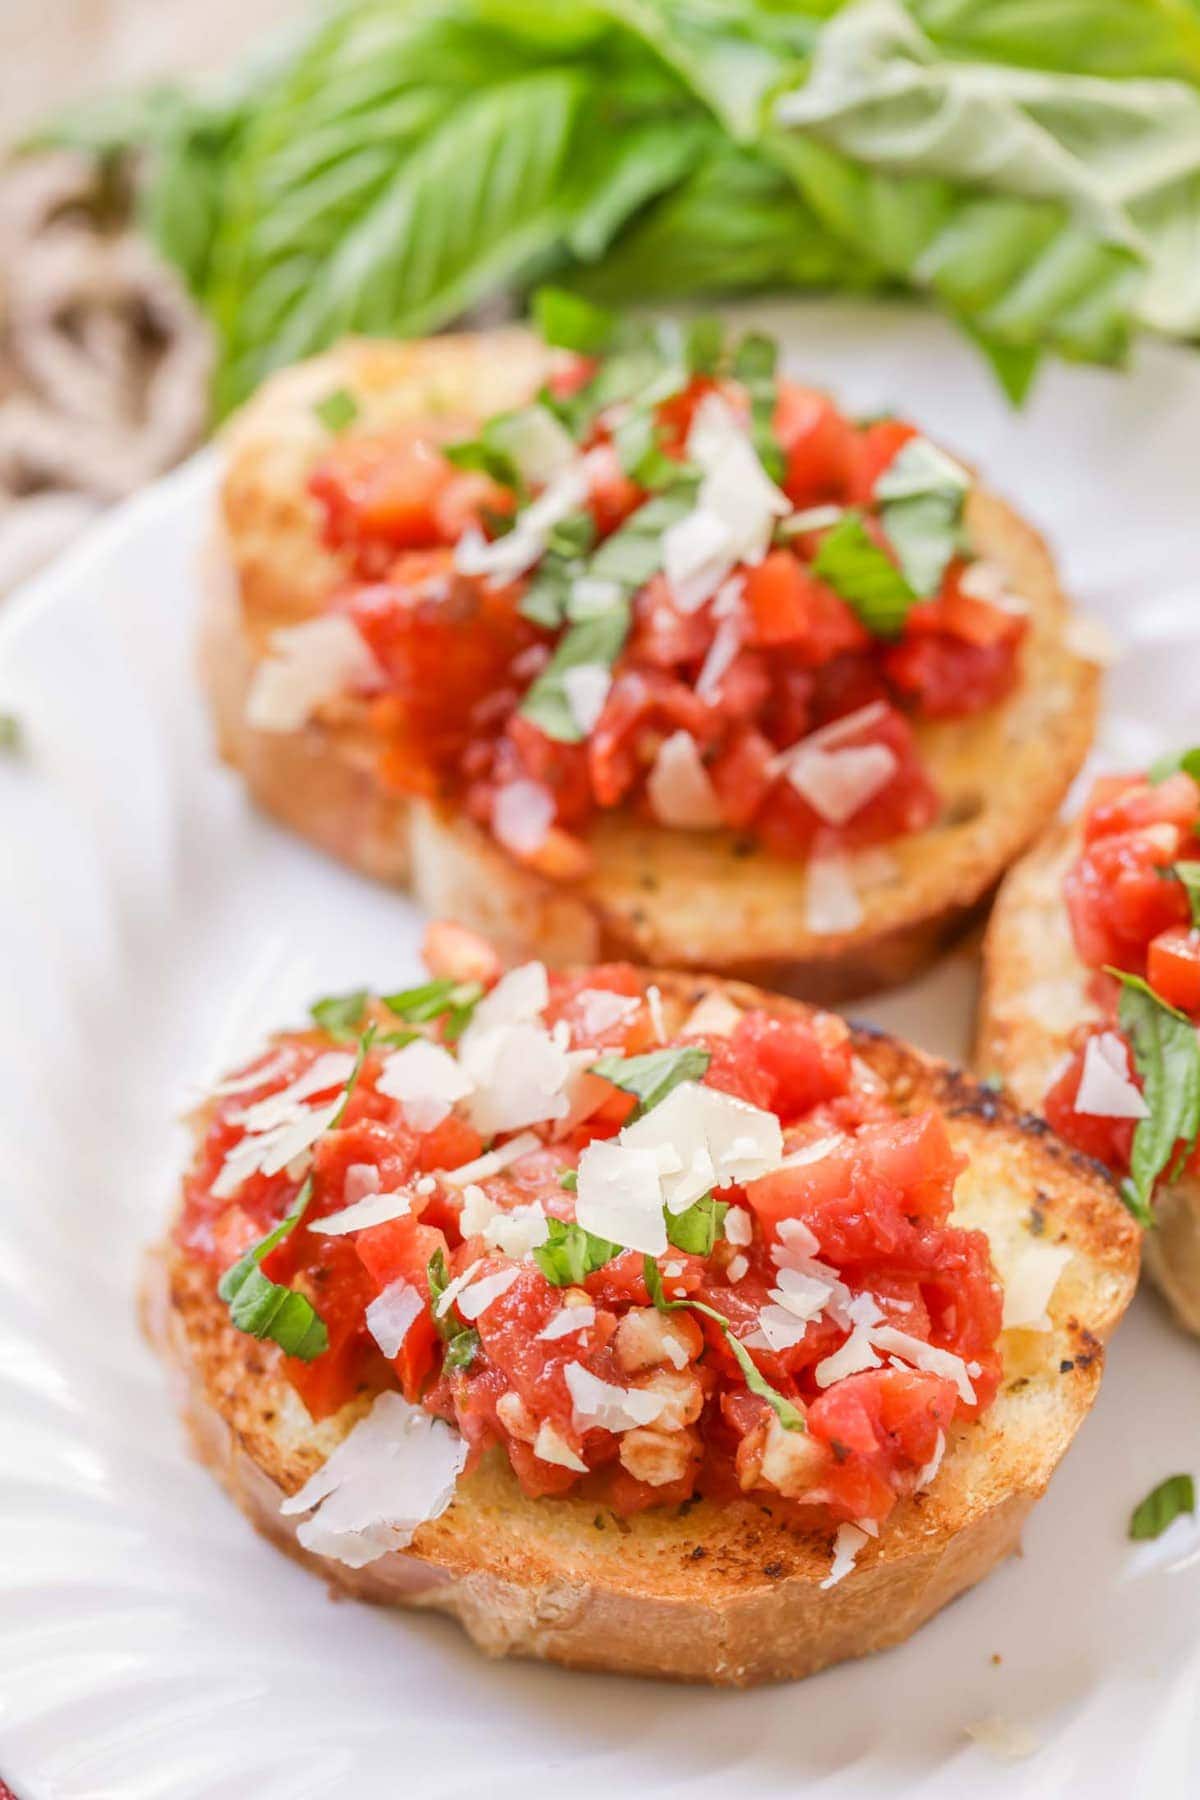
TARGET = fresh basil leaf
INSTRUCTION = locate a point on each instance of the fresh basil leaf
(570, 1253)
(633, 553)
(484, 455)
(1189, 874)
(453, 1000)
(638, 443)
(569, 322)
(569, 1179)
(704, 346)
(651, 1077)
(754, 365)
(785, 1410)
(1175, 760)
(698, 1227)
(11, 737)
(864, 575)
(337, 410)
(595, 640)
(1166, 1054)
(1175, 1495)
(340, 1014)
(461, 1341)
(921, 495)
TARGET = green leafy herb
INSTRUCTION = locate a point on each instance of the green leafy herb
(704, 346)
(864, 575)
(571, 323)
(570, 1253)
(461, 1341)
(484, 454)
(651, 1077)
(269, 1309)
(1173, 762)
(921, 495)
(1189, 874)
(11, 738)
(340, 1014)
(638, 443)
(634, 552)
(785, 1410)
(595, 640)
(698, 1227)
(754, 365)
(1175, 1495)
(569, 1179)
(1166, 1054)
(337, 410)
(455, 1001)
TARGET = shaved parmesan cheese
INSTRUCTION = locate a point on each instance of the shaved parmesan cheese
(602, 1010)
(587, 687)
(804, 1296)
(522, 814)
(492, 1162)
(1106, 1090)
(328, 1071)
(475, 1299)
(925, 1356)
(396, 1469)
(982, 580)
(1005, 1739)
(839, 783)
(267, 1152)
(520, 1076)
(239, 1084)
(926, 1475)
(738, 1267)
(1029, 1283)
(592, 595)
(831, 902)
(654, 1002)
(855, 1355)
(727, 641)
(569, 1319)
(306, 665)
(599, 1405)
(426, 1080)
(714, 1016)
(373, 1209)
(1092, 640)
(846, 1546)
(453, 1289)
(619, 1196)
(698, 552)
(796, 1239)
(537, 443)
(518, 997)
(511, 555)
(706, 1129)
(679, 788)
(391, 1313)
(361, 1179)
(778, 1329)
(816, 1151)
(518, 1232)
(735, 512)
(739, 1226)
(549, 1446)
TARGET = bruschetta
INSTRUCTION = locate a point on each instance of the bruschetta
(641, 1322)
(1091, 1001)
(638, 649)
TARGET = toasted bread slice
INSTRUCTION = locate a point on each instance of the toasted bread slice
(727, 1593)
(1035, 995)
(655, 895)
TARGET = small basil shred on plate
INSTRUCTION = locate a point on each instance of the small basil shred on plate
(1162, 1506)
(391, 167)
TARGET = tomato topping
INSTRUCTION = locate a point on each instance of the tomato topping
(1173, 967)
(771, 654)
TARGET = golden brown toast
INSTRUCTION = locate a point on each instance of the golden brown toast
(1035, 994)
(727, 1593)
(655, 895)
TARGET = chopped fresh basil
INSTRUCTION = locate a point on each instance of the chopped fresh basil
(1166, 1054)
(572, 323)
(921, 495)
(486, 456)
(634, 552)
(595, 640)
(1189, 874)
(10, 733)
(638, 443)
(864, 575)
(788, 1414)
(340, 1014)
(697, 1229)
(268, 1309)
(1175, 1495)
(754, 365)
(396, 1040)
(454, 1000)
(461, 1341)
(337, 410)
(650, 1078)
(704, 346)
(546, 598)
(570, 1253)
(569, 1179)
(1175, 760)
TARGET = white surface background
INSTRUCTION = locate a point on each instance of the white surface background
(151, 1646)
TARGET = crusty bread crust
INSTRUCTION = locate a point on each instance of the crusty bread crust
(1034, 996)
(656, 895)
(709, 1592)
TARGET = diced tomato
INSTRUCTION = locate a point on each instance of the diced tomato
(818, 446)
(916, 1156)
(1109, 1141)
(676, 414)
(1118, 896)
(877, 1424)
(948, 678)
(1173, 967)
(875, 448)
(743, 774)
(469, 500)
(612, 495)
(806, 1061)
(663, 634)
(449, 1144)
(452, 953)
(1120, 804)
(401, 1249)
(789, 605)
(381, 493)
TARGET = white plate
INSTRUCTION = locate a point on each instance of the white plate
(151, 1646)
